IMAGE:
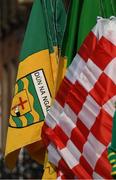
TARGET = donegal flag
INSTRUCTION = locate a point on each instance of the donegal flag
(35, 84)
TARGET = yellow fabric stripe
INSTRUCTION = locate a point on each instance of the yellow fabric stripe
(54, 63)
(40, 60)
(12, 123)
(114, 165)
(31, 100)
(110, 154)
(24, 120)
(112, 161)
(113, 173)
(61, 71)
(16, 88)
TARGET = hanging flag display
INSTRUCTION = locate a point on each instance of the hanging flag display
(36, 78)
(78, 126)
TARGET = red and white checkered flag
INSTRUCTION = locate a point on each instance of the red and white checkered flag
(78, 127)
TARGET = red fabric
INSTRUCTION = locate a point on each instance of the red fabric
(106, 88)
(88, 46)
(93, 125)
(103, 167)
(103, 124)
(63, 91)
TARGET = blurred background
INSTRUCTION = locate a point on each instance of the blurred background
(13, 19)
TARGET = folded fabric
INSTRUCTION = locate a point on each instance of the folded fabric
(78, 126)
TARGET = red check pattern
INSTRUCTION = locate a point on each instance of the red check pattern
(82, 117)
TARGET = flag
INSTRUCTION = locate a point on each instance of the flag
(78, 126)
(66, 86)
(112, 148)
(81, 18)
(36, 78)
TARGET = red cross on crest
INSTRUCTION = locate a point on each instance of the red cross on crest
(21, 103)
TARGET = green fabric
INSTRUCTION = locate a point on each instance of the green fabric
(42, 27)
(36, 25)
(55, 19)
(60, 17)
(81, 19)
(89, 13)
(49, 9)
(111, 155)
(70, 37)
(112, 148)
(113, 173)
(108, 7)
(113, 141)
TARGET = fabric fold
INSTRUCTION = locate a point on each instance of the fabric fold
(88, 98)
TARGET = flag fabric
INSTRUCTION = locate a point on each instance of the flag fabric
(81, 18)
(65, 86)
(36, 78)
(112, 148)
(77, 129)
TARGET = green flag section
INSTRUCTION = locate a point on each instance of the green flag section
(112, 148)
(71, 32)
(36, 78)
(55, 15)
(69, 48)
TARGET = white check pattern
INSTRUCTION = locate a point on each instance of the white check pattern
(80, 120)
